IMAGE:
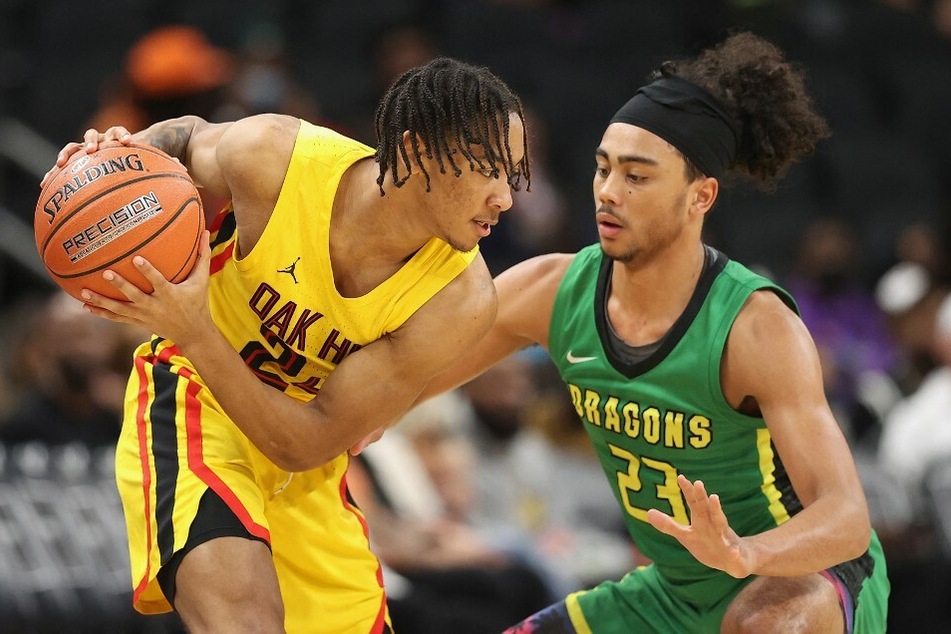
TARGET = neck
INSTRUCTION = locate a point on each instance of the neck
(646, 299)
(367, 226)
(372, 236)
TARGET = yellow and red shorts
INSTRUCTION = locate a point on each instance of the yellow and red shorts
(176, 443)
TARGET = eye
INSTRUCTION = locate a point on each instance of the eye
(634, 178)
(489, 172)
(601, 171)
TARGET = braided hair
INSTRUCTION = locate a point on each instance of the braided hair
(442, 100)
(767, 97)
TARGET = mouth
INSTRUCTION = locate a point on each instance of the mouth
(608, 224)
(484, 227)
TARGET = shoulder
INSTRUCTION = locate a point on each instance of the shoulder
(534, 281)
(474, 285)
(539, 274)
(527, 294)
(470, 296)
(766, 316)
(769, 348)
(254, 140)
(263, 129)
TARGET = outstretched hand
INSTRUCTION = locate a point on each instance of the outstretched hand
(708, 537)
(178, 312)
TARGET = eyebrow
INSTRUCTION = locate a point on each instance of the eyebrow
(628, 158)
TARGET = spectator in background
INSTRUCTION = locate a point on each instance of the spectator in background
(916, 436)
(525, 485)
(264, 81)
(442, 575)
(70, 369)
(910, 293)
(848, 327)
(170, 71)
(917, 432)
(393, 50)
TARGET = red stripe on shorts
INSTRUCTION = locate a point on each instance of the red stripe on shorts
(141, 430)
(196, 462)
(379, 625)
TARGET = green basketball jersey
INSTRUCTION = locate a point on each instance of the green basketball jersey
(666, 414)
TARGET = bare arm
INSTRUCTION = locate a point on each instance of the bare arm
(244, 160)
(771, 358)
(526, 296)
(376, 385)
(372, 387)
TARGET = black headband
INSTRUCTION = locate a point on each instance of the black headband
(687, 117)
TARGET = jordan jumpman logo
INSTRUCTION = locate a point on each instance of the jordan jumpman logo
(290, 269)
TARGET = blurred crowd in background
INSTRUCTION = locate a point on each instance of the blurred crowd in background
(487, 504)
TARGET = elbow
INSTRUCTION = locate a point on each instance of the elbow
(284, 460)
(294, 463)
(297, 459)
(288, 459)
(859, 534)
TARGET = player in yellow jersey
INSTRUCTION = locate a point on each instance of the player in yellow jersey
(337, 284)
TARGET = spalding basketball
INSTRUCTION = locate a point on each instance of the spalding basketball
(102, 209)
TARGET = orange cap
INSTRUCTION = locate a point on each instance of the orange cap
(177, 60)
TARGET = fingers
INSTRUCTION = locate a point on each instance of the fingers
(205, 250)
(130, 290)
(90, 143)
(92, 138)
(358, 448)
(201, 271)
(61, 159)
(694, 492)
(152, 274)
(665, 523)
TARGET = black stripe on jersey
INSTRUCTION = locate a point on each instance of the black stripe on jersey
(676, 332)
(154, 344)
(787, 495)
(165, 453)
(226, 230)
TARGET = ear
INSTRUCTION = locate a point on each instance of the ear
(704, 195)
(408, 146)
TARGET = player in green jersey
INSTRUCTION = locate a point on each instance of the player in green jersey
(695, 378)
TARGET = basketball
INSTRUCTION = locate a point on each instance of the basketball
(102, 209)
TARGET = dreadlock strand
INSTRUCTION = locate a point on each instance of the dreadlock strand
(447, 105)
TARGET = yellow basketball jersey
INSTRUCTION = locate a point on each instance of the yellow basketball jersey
(278, 305)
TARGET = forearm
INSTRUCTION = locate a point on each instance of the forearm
(831, 530)
(284, 429)
(171, 136)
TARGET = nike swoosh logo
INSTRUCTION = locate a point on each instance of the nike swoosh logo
(573, 359)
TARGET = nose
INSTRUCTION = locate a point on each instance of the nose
(501, 198)
(607, 190)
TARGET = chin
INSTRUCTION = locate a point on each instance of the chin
(612, 252)
(459, 245)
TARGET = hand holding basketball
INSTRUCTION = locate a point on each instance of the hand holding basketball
(100, 207)
(91, 140)
(179, 312)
